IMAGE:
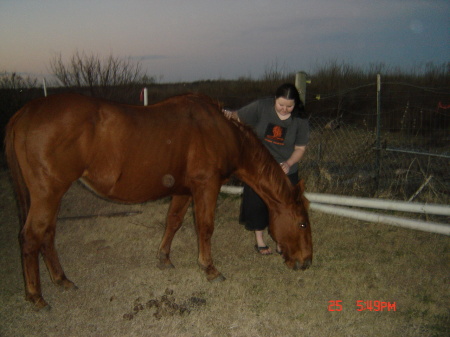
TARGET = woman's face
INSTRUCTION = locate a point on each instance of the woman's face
(284, 106)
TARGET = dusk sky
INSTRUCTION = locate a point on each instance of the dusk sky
(180, 40)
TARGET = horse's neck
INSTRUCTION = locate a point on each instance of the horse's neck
(261, 172)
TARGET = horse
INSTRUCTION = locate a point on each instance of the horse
(183, 147)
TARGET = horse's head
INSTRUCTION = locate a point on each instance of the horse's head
(291, 229)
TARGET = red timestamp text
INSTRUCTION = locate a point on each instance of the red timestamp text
(364, 305)
(376, 306)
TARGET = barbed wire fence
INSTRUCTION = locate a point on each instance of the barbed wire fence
(402, 153)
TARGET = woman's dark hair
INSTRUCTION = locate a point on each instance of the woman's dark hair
(289, 91)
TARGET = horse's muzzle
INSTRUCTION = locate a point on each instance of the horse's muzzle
(306, 264)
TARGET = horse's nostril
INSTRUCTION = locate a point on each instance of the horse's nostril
(306, 264)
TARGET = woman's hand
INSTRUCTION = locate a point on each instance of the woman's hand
(230, 114)
(285, 166)
(294, 159)
(227, 113)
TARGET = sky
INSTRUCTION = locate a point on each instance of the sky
(190, 40)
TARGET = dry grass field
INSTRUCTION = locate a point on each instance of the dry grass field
(112, 259)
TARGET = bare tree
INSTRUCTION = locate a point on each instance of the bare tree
(15, 81)
(99, 75)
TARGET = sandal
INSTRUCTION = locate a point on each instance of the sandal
(263, 250)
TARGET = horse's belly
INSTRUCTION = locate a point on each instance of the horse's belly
(137, 190)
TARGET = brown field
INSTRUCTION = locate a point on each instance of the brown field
(112, 259)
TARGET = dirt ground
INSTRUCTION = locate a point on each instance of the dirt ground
(109, 251)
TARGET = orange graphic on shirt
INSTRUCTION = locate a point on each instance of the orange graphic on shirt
(275, 134)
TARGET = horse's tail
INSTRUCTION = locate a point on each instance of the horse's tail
(20, 188)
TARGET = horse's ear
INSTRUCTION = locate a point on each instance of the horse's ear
(299, 193)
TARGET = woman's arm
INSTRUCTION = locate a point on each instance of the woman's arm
(295, 158)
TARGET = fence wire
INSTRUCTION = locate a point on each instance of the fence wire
(412, 162)
(343, 159)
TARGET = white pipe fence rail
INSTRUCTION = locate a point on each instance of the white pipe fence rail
(320, 202)
(432, 227)
(390, 205)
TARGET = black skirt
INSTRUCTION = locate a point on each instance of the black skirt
(254, 213)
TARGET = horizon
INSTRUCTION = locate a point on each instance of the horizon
(421, 70)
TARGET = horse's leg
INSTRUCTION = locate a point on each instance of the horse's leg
(30, 242)
(51, 259)
(204, 206)
(175, 215)
(37, 236)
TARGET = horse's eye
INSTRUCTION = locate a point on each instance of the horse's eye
(303, 224)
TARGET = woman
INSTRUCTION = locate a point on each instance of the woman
(280, 125)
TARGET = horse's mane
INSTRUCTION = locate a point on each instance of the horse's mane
(253, 151)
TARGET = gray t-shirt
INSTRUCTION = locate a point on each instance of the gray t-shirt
(278, 136)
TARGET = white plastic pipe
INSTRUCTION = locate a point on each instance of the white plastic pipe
(231, 189)
(45, 87)
(432, 227)
(392, 205)
(145, 97)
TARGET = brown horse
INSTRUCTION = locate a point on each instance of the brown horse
(183, 146)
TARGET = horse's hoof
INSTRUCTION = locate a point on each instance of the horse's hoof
(218, 278)
(66, 285)
(165, 266)
(42, 309)
(164, 261)
(38, 303)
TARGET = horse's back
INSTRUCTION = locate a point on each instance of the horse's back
(124, 152)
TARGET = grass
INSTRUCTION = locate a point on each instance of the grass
(112, 260)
